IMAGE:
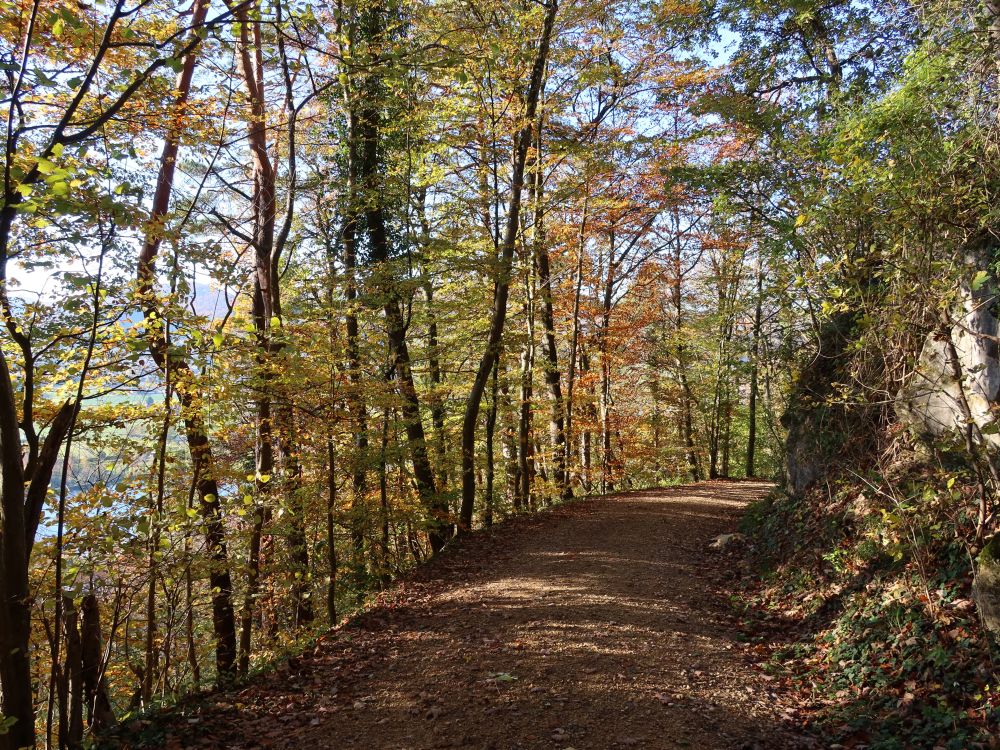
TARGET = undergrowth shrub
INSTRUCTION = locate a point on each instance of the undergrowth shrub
(864, 588)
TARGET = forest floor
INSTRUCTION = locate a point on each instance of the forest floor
(601, 624)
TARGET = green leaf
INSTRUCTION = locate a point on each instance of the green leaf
(58, 26)
(44, 80)
(979, 279)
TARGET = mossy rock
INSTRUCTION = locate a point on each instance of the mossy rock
(987, 585)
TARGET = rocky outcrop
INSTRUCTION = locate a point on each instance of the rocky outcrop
(986, 588)
(816, 425)
(930, 402)
(726, 542)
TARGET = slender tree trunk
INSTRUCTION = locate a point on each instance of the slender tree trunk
(331, 537)
(491, 423)
(100, 715)
(727, 432)
(553, 377)
(261, 516)
(751, 469)
(437, 382)
(359, 412)
(509, 438)
(604, 342)
(155, 520)
(525, 444)
(192, 649)
(298, 551)
(585, 438)
(330, 246)
(714, 433)
(574, 344)
(680, 354)
(73, 675)
(434, 357)
(186, 387)
(607, 454)
(368, 139)
(383, 485)
(521, 143)
(264, 471)
(440, 529)
(274, 409)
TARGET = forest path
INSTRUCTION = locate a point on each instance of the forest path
(601, 624)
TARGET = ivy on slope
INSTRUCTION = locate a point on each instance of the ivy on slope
(862, 590)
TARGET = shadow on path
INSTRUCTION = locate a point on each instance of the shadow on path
(595, 626)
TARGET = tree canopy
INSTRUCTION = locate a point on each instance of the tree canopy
(294, 293)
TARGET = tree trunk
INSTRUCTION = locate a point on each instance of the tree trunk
(751, 469)
(100, 716)
(604, 342)
(509, 438)
(607, 455)
(525, 443)
(298, 550)
(585, 441)
(680, 354)
(186, 387)
(521, 143)
(574, 343)
(15, 612)
(552, 373)
(274, 409)
(359, 412)
(331, 538)
(491, 423)
(73, 675)
(434, 358)
(368, 139)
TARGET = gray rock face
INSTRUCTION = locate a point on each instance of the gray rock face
(725, 542)
(804, 461)
(815, 424)
(929, 402)
(986, 588)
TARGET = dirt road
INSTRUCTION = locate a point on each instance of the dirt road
(598, 625)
